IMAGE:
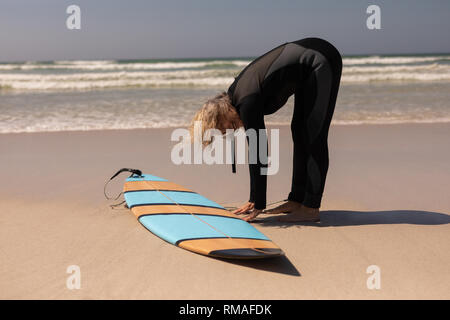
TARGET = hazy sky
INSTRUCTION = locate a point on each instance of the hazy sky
(132, 29)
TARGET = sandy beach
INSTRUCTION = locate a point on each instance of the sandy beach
(386, 203)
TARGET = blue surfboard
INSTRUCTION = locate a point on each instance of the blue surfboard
(190, 221)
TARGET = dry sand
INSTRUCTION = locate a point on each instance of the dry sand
(386, 203)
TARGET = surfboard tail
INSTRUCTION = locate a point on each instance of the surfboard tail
(247, 253)
(233, 248)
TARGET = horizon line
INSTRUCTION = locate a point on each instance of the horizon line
(222, 58)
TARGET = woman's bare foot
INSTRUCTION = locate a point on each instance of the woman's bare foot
(304, 214)
(287, 207)
(296, 212)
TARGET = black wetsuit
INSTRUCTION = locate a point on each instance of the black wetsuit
(311, 69)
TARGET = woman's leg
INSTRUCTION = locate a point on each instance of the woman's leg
(313, 110)
(300, 154)
(299, 168)
(314, 104)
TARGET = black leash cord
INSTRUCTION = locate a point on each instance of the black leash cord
(133, 172)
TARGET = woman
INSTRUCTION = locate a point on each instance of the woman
(311, 70)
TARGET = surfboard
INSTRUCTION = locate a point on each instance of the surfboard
(190, 221)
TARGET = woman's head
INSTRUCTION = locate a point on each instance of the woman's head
(217, 113)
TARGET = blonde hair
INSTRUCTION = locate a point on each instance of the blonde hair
(213, 115)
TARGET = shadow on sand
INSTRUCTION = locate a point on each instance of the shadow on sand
(342, 218)
(279, 265)
(339, 218)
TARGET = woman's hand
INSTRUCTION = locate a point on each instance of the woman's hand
(245, 209)
(248, 208)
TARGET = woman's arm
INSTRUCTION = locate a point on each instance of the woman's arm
(252, 117)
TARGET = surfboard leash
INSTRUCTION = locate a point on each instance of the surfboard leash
(133, 172)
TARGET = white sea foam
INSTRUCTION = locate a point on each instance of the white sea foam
(399, 76)
(392, 60)
(114, 65)
(201, 78)
(101, 95)
(390, 121)
(56, 125)
(98, 74)
(182, 74)
(84, 62)
(396, 68)
(118, 83)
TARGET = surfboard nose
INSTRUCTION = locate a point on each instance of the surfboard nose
(247, 253)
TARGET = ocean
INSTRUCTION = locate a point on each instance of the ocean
(129, 94)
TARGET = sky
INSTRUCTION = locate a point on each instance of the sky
(35, 30)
